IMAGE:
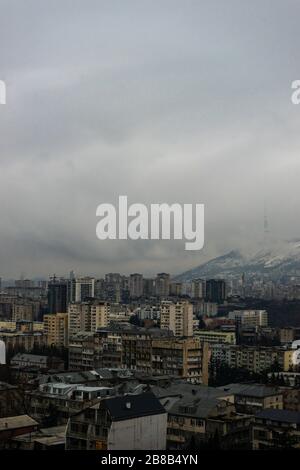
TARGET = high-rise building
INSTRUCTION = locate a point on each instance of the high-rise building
(136, 285)
(114, 285)
(79, 317)
(87, 316)
(81, 289)
(198, 289)
(57, 295)
(114, 278)
(99, 315)
(162, 285)
(176, 289)
(23, 311)
(149, 287)
(177, 317)
(250, 318)
(216, 290)
(56, 329)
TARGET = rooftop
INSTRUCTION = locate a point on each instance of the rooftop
(250, 390)
(30, 358)
(282, 416)
(133, 406)
(16, 422)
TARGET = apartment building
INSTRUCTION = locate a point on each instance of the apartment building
(137, 349)
(197, 414)
(177, 317)
(288, 335)
(88, 316)
(151, 351)
(254, 358)
(81, 289)
(21, 325)
(136, 285)
(149, 287)
(136, 422)
(206, 309)
(215, 336)
(79, 317)
(186, 358)
(23, 311)
(15, 308)
(100, 312)
(56, 329)
(215, 290)
(275, 429)
(111, 348)
(198, 288)
(57, 295)
(162, 285)
(176, 289)
(66, 399)
(84, 351)
(250, 318)
(21, 360)
(252, 398)
(26, 340)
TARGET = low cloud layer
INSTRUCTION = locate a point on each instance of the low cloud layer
(165, 101)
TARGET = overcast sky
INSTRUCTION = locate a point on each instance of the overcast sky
(160, 100)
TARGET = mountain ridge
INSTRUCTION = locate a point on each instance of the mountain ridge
(282, 258)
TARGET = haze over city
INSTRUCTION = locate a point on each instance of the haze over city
(163, 102)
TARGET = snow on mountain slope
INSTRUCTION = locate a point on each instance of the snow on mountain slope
(224, 264)
(281, 258)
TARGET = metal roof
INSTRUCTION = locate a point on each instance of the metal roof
(250, 390)
(133, 406)
(283, 416)
(15, 422)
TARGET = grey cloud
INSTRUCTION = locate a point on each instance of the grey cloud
(163, 101)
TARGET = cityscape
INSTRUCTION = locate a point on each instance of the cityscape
(150, 231)
(128, 362)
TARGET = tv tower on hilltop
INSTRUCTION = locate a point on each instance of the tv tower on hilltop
(266, 227)
(266, 222)
(266, 238)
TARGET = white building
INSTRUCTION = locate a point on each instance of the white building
(130, 422)
(248, 318)
(2, 353)
(81, 288)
